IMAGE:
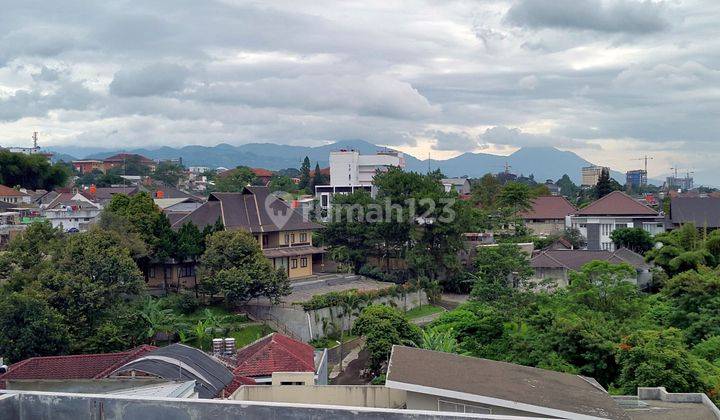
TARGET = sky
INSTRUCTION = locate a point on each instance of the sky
(612, 80)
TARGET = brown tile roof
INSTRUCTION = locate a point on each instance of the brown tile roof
(261, 172)
(508, 384)
(574, 259)
(11, 192)
(121, 157)
(549, 207)
(703, 211)
(78, 366)
(617, 203)
(249, 210)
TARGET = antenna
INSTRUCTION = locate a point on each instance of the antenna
(34, 137)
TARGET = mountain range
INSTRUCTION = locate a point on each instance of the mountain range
(542, 162)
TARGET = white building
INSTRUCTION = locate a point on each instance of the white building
(591, 175)
(350, 171)
(72, 212)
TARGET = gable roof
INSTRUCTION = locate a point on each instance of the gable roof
(261, 172)
(121, 157)
(703, 211)
(11, 192)
(574, 259)
(541, 391)
(183, 363)
(274, 353)
(549, 207)
(78, 366)
(617, 203)
(249, 210)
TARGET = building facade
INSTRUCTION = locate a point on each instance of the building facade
(591, 175)
(636, 179)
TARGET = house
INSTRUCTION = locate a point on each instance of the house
(103, 195)
(10, 224)
(13, 196)
(350, 171)
(459, 185)
(280, 360)
(87, 166)
(546, 216)
(284, 235)
(263, 175)
(72, 212)
(552, 187)
(614, 211)
(556, 264)
(437, 381)
(180, 362)
(77, 366)
(121, 159)
(704, 212)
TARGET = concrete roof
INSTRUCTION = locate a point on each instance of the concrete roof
(703, 211)
(499, 383)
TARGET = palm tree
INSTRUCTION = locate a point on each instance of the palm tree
(443, 341)
(157, 319)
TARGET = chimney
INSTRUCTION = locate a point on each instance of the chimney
(217, 345)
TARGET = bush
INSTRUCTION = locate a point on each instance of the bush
(185, 303)
(376, 273)
(333, 299)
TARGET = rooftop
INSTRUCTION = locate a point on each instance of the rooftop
(703, 211)
(529, 389)
(274, 353)
(617, 203)
(574, 259)
(11, 192)
(549, 207)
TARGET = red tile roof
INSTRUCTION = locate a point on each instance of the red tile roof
(121, 157)
(78, 366)
(549, 207)
(10, 192)
(274, 353)
(263, 173)
(236, 383)
(617, 203)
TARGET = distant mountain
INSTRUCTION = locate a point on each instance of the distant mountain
(542, 162)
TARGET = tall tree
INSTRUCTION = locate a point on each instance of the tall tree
(318, 177)
(305, 180)
(604, 185)
(235, 180)
(31, 171)
(516, 196)
(168, 173)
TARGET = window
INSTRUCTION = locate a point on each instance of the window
(264, 241)
(303, 237)
(151, 272)
(292, 383)
(287, 238)
(303, 262)
(324, 200)
(293, 263)
(187, 271)
(455, 407)
(292, 238)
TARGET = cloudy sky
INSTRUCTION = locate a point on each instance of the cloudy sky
(611, 80)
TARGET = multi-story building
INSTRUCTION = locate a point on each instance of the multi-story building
(616, 210)
(71, 212)
(547, 215)
(122, 159)
(677, 183)
(88, 165)
(282, 232)
(13, 196)
(591, 175)
(636, 179)
(351, 171)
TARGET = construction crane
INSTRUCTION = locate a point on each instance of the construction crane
(645, 158)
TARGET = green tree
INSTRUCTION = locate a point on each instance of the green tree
(516, 196)
(29, 327)
(31, 171)
(497, 268)
(190, 242)
(318, 177)
(604, 185)
(35, 243)
(282, 183)
(234, 262)
(384, 327)
(169, 173)
(568, 188)
(485, 191)
(305, 181)
(660, 358)
(443, 341)
(235, 180)
(607, 288)
(635, 239)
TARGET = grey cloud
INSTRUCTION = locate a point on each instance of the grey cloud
(155, 79)
(46, 74)
(36, 103)
(459, 141)
(515, 137)
(628, 16)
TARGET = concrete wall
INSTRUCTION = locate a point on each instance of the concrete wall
(305, 326)
(345, 395)
(427, 402)
(57, 406)
(546, 227)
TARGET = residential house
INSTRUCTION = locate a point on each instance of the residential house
(552, 187)
(10, 224)
(547, 215)
(120, 160)
(72, 212)
(459, 185)
(437, 381)
(263, 175)
(103, 195)
(88, 165)
(284, 235)
(13, 196)
(614, 211)
(556, 264)
(280, 360)
(704, 212)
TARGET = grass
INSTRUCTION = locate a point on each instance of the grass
(422, 311)
(250, 333)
